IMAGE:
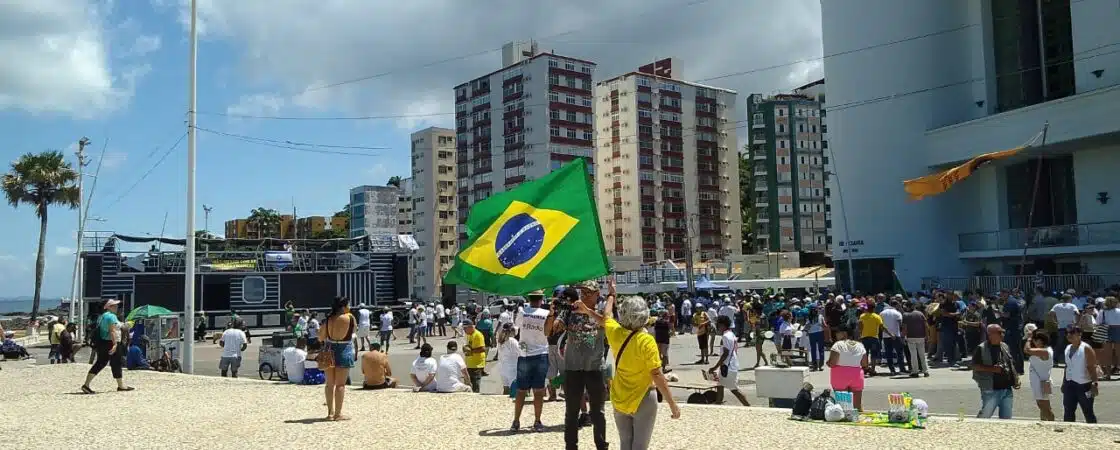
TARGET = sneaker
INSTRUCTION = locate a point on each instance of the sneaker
(925, 374)
(516, 426)
(538, 427)
(913, 375)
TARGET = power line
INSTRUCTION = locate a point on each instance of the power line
(274, 143)
(145, 175)
(291, 143)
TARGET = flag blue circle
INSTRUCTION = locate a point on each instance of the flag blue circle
(518, 240)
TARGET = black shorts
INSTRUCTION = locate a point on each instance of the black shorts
(384, 385)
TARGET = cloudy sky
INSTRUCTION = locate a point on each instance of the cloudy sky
(116, 72)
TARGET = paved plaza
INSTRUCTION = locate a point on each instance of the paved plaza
(948, 391)
(42, 409)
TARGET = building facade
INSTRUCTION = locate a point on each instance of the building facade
(374, 211)
(521, 122)
(787, 146)
(404, 207)
(284, 228)
(668, 180)
(906, 110)
(434, 212)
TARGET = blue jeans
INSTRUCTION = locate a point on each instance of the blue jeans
(895, 349)
(947, 344)
(816, 348)
(992, 399)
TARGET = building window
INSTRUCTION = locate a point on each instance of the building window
(253, 289)
(1033, 44)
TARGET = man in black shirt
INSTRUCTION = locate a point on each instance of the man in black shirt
(947, 335)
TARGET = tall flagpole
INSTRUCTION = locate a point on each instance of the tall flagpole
(188, 291)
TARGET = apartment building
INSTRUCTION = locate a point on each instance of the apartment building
(284, 227)
(374, 211)
(668, 179)
(922, 106)
(434, 210)
(404, 206)
(787, 135)
(521, 122)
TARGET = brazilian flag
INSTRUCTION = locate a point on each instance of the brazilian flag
(543, 233)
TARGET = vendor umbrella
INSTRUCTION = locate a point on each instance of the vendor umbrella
(147, 311)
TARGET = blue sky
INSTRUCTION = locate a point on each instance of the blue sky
(116, 72)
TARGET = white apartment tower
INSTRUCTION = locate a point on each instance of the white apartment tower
(521, 122)
(434, 211)
(668, 169)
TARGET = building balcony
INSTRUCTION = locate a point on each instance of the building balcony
(760, 185)
(1071, 118)
(1056, 240)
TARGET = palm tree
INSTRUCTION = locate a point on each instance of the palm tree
(394, 181)
(41, 181)
(264, 219)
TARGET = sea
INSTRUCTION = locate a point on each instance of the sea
(24, 306)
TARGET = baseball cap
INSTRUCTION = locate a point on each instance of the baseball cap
(468, 323)
(591, 285)
(112, 302)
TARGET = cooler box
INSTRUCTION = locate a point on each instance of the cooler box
(780, 382)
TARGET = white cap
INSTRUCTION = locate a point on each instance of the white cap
(112, 302)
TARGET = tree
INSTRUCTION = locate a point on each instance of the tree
(41, 181)
(394, 181)
(264, 219)
(746, 199)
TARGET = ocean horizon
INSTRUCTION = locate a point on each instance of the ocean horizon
(24, 306)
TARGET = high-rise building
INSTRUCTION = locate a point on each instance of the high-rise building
(521, 122)
(374, 211)
(789, 170)
(404, 207)
(668, 168)
(283, 228)
(940, 95)
(434, 210)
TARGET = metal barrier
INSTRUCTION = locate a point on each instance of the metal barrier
(993, 283)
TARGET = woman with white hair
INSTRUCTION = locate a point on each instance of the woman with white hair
(637, 368)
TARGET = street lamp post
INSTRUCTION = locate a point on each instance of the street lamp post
(847, 236)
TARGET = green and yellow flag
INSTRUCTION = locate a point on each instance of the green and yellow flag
(543, 233)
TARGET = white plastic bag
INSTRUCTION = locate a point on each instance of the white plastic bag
(834, 413)
(920, 407)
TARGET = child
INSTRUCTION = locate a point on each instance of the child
(508, 352)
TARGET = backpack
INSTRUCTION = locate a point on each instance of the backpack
(816, 411)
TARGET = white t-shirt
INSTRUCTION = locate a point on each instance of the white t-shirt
(313, 328)
(892, 321)
(232, 340)
(1110, 317)
(1066, 313)
(728, 312)
(449, 373)
(423, 367)
(387, 321)
(686, 308)
(293, 359)
(412, 316)
(363, 318)
(850, 353)
(729, 344)
(534, 341)
(440, 311)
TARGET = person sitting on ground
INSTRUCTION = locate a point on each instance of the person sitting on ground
(11, 349)
(451, 373)
(293, 359)
(136, 359)
(423, 371)
(375, 368)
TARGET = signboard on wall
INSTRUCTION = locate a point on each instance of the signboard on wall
(661, 68)
(851, 246)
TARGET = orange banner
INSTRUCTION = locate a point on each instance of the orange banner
(940, 182)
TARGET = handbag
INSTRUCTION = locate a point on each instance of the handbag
(326, 358)
(1100, 332)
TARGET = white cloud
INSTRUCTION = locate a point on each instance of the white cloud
(145, 44)
(378, 170)
(57, 59)
(257, 105)
(291, 50)
(63, 251)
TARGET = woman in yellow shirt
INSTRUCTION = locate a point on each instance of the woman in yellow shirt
(637, 368)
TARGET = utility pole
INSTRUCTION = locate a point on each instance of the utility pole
(188, 288)
(75, 290)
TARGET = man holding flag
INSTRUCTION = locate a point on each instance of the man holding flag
(542, 234)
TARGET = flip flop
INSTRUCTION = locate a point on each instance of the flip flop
(126, 389)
